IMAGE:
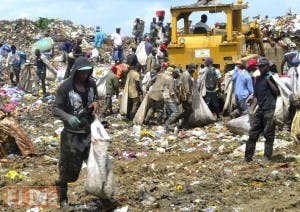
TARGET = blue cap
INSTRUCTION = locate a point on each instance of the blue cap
(97, 28)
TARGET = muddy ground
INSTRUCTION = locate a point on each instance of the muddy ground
(197, 170)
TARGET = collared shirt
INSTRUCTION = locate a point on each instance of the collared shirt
(243, 85)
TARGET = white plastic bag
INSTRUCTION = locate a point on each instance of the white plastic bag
(202, 114)
(100, 180)
(141, 112)
(98, 132)
(101, 84)
(240, 125)
(141, 53)
(279, 111)
(95, 53)
(124, 100)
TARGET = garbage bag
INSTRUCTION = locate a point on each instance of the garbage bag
(141, 53)
(101, 83)
(240, 125)
(278, 114)
(43, 45)
(201, 113)
(51, 71)
(141, 112)
(98, 132)
(295, 129)
(100, 179)
(95, 53)
(124, 100)
(295, 81)
(282, 114)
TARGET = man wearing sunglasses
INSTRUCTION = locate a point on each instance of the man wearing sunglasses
(265, 94)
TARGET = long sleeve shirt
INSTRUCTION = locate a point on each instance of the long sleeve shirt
(100, 37)
(243, 85)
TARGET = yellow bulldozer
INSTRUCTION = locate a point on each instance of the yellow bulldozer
(225, 45)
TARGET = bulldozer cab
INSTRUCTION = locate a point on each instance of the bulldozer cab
(224, 44)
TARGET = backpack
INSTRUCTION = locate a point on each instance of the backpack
(211, 79)
(23, 57)
(295, 60)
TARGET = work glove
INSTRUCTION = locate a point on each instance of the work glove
(74, 122)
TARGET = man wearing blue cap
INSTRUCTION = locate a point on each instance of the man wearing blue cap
(75, 103)
(100, 37)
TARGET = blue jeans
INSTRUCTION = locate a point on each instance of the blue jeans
(118, 55)
(172, 111)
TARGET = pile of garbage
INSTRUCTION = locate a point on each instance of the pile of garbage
(281, 27)
(32, 31)
(57, 29)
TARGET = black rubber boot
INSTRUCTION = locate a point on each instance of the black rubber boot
(250, 149)
(63, 193)
(268, 150)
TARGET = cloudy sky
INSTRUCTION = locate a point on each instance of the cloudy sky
(111, 13)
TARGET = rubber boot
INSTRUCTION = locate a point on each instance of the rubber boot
(63, 193)
(250, 149)
(268, 150)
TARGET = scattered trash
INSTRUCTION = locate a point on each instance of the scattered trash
(14, 175)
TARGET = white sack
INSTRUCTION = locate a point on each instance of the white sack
(202, 114)
(240, 125)
(100, 179)
(141, 112)
(141, 53)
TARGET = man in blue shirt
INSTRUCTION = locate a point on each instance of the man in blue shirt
(243, 86)
(100, 37)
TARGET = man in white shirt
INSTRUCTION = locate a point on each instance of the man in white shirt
(14, 63)
(118, 46)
